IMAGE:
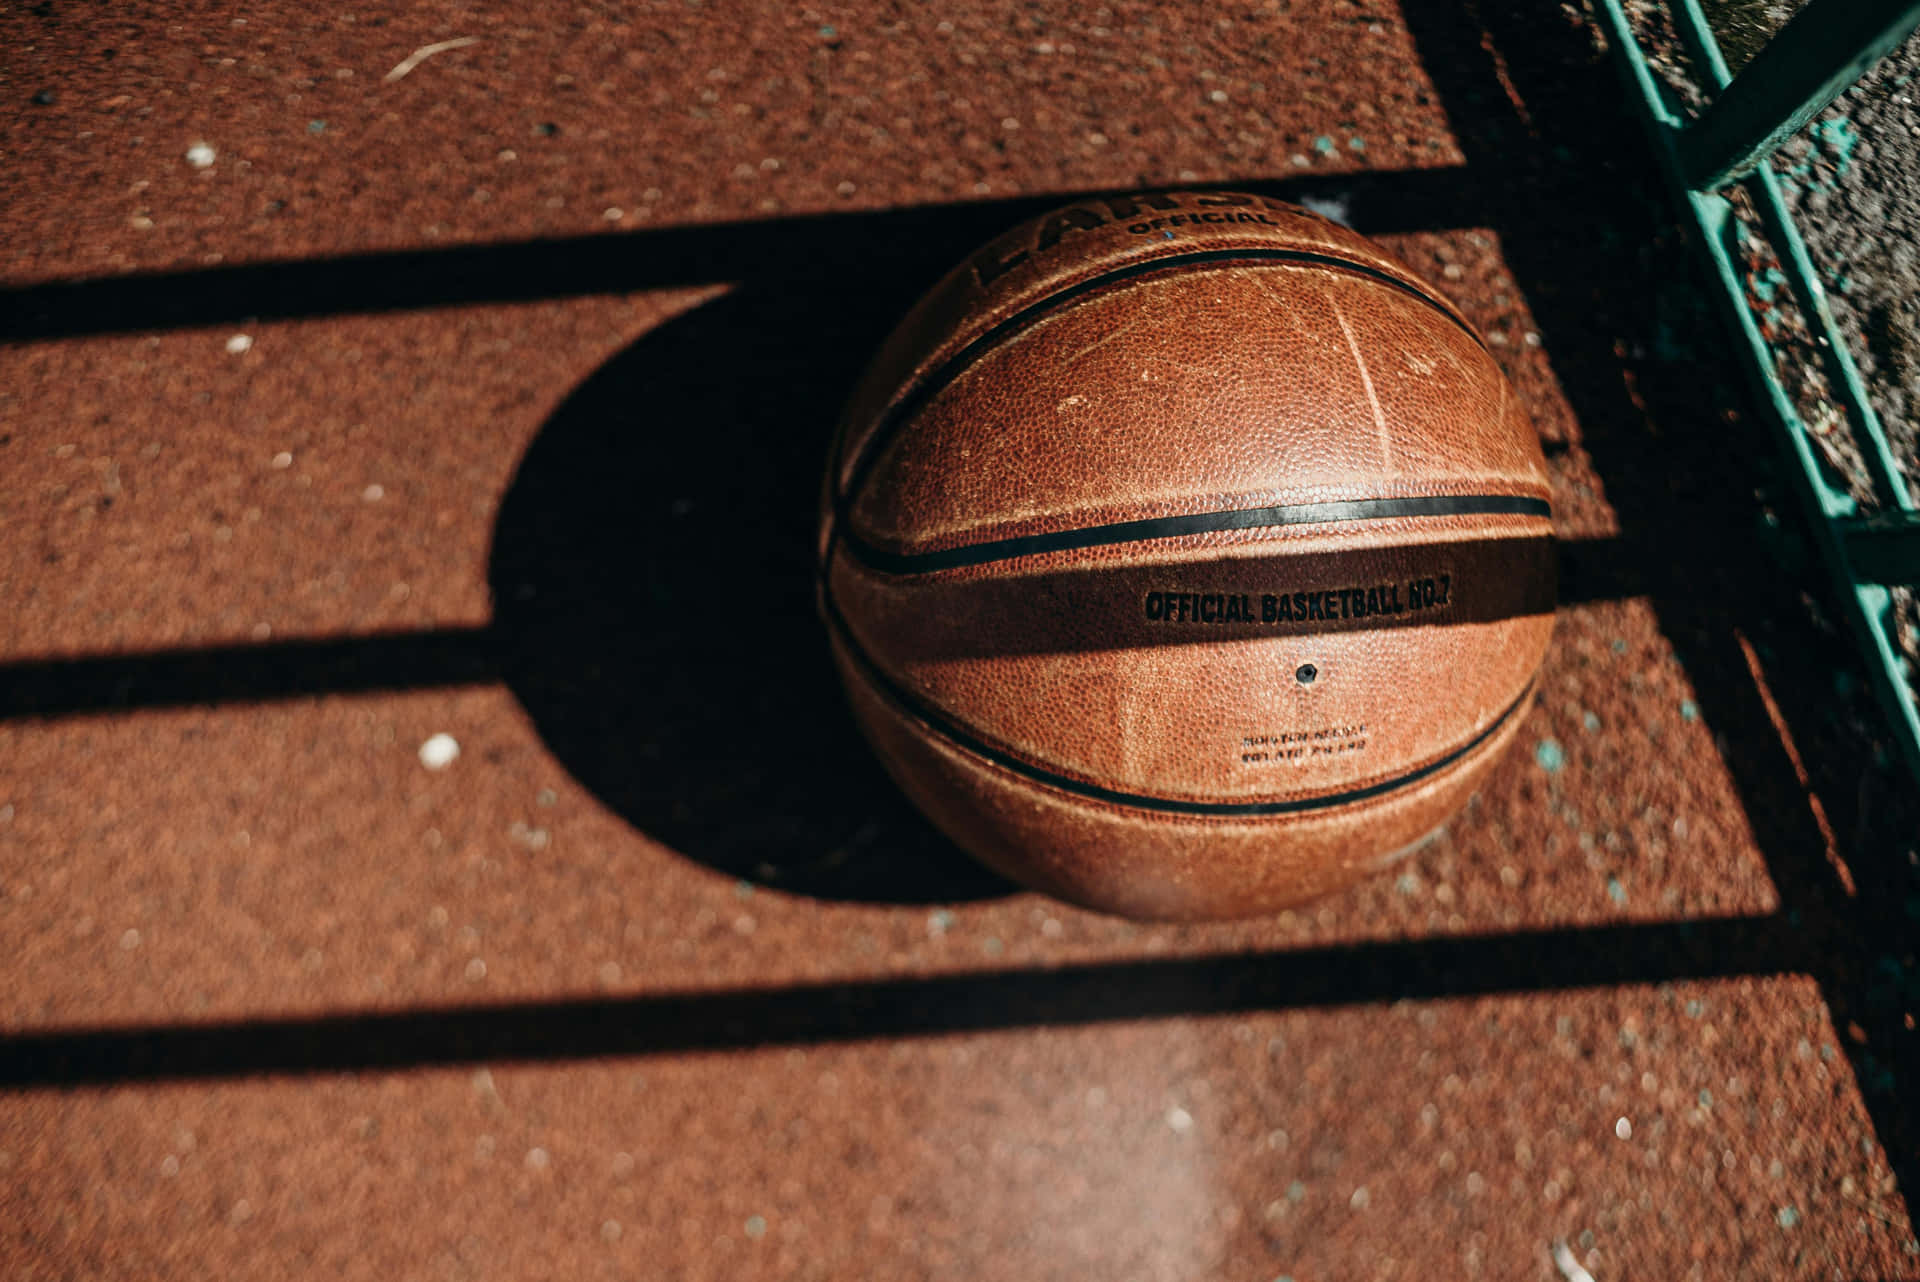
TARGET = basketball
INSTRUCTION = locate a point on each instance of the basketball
(1185, 556)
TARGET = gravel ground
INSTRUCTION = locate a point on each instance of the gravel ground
(1856, 195)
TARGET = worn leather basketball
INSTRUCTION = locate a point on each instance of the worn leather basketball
(1186, 556)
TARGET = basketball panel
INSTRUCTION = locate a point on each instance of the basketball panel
(1151, 865)
(1277, 669)
(1231, 387)
(1064, 251)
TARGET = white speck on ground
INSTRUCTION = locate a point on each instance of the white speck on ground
(425, 52)
(239, 343)
(1569, 1267)
(1179, 1119)
(201, 156)
(374, 493)
(438, 752)
(1623, 1129)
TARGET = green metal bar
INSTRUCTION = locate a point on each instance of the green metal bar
(1827, 46)
(1867, 606)
(1884, 548)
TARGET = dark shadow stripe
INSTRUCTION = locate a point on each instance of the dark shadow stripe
(868, 1009)
(961, 737)
(244, 672)
(1591, 570)
(930, 385)
(794, 253)
(1168, 527)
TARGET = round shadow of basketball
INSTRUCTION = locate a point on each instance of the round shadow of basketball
(653, 598)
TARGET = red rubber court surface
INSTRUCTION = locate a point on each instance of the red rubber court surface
(488, 400)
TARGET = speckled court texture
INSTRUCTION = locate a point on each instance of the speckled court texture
(488, 400)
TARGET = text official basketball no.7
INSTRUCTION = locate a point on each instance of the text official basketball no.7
(1329, 603)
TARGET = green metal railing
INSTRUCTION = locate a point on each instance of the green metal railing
(1827, 46)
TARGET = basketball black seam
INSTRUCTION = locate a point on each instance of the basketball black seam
(961, 738)
(1166, 527)
(930, 385)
